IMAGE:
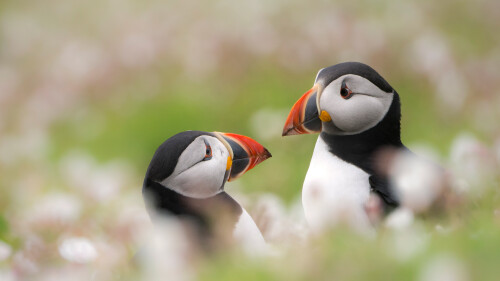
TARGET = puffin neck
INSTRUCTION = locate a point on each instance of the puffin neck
(359, 149)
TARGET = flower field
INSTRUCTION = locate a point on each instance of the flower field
(90, 89)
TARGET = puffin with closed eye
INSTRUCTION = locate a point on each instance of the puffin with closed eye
(186, 179)
(357, 114)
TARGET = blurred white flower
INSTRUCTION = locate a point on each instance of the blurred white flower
(444, 268)
(78, 250)
(59, 208)
(112, 254)
(268, 123)
(7, 275)
(131, 219)
(262, 39)
(78, 63)
(472, 163)
(5, 251)
(451, 89)
(426, 151)
(24, 264)
(406, 243)
(443, 230)
(411, 13)
(202, 50)
(105, 182)
(138, 48)
(76, 168)
(417, 182)
(368, 37)
(400, 218)
(166, 251)
(277, 224)
(101, 182)
(430, 54)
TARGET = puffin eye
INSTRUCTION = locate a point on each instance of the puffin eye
(345, 92)
(208, 152)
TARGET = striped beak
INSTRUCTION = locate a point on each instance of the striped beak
(245, 152)
(304, 117)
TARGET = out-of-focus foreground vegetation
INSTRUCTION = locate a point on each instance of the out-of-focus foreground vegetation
(89, 89)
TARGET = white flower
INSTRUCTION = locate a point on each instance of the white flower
(418, 183)
(7, 275)
(166, 251)
(5, 251)
(444, 268)
(406, 243)
(451, 89)
(78, 250)
(267, 123)
(101, 182)
(472, 162)
(76, 168)
(25, 264)
(55, 208)
(270, 216)
(430, 54)
(400, 218)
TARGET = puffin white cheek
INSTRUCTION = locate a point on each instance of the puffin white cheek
(202, 180)
(359, 114)
(330, 102)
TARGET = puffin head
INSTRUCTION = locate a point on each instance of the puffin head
(346, 99)
(197, 164)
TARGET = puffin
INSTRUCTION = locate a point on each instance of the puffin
(357, 115)
(186, 179)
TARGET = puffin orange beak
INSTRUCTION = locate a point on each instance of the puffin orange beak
(246, 153)
(304, 117)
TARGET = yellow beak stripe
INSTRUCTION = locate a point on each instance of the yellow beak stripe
(325, 117)
(229, 163)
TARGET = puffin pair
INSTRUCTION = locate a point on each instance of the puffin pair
(356, 112)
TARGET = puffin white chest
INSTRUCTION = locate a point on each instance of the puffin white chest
(334, 191)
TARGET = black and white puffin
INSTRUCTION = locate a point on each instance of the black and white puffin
(357, 113)
(186, 179)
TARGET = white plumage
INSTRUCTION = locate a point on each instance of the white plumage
(334, 191)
